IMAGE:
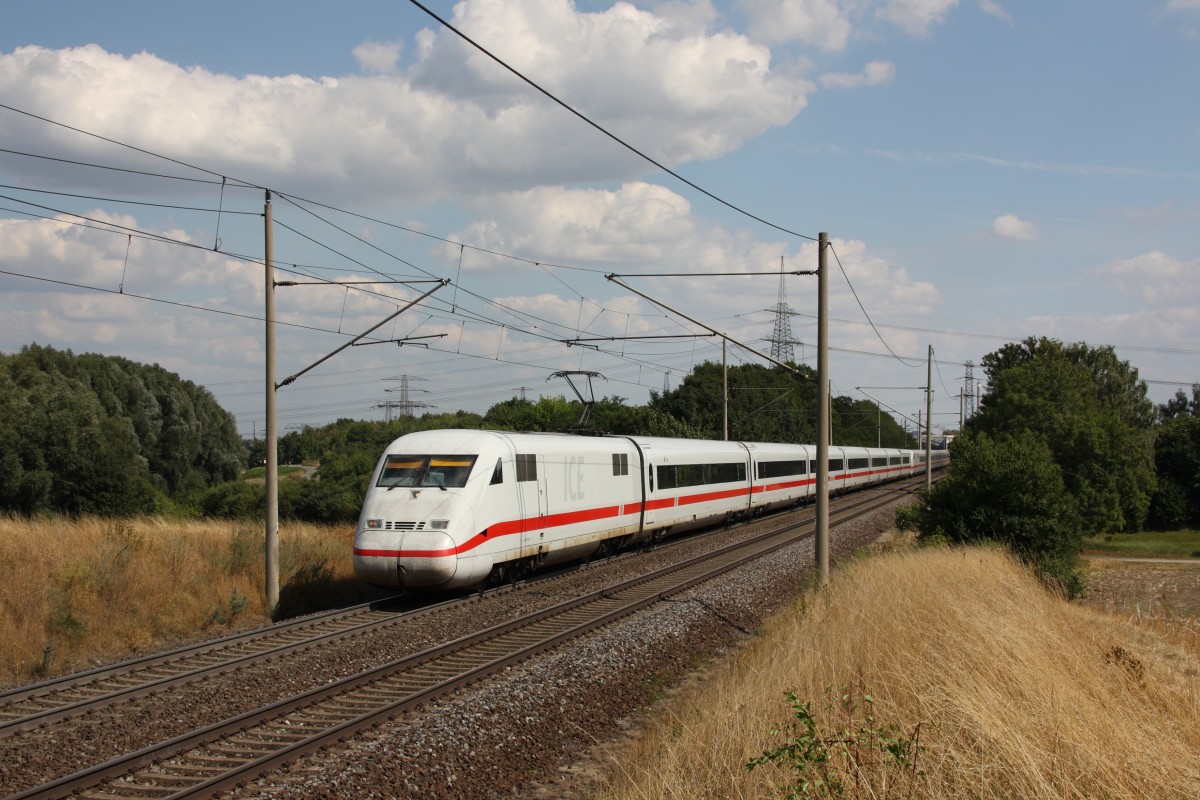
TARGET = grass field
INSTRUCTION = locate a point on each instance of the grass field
(260, 473)
(1173, 544)
(79, 592)
(981, 685)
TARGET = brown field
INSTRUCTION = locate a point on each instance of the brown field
(1005, 690)
(1144, 589)
(80, 592)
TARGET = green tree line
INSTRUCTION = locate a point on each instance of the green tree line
(101, 434)
(104, 435)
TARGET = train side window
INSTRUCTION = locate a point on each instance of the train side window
(526, 467)
(498, 473)
(781, 469)
(668, 476)
(620, 463)
(835, 465)
(650, 473)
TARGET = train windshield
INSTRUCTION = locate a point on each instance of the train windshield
(444, 472)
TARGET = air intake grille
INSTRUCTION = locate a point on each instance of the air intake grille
(403, 526)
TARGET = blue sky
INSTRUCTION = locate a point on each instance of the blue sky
(986, 170)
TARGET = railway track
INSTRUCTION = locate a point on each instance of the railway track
(236, 750)
(35, 705)
(72, 695)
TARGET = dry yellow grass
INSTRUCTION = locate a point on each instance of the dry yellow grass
(1018, 693)
(78, 592)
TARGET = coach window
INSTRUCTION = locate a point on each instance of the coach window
(498, 472)
(526, 467)
(835, 465)
(781, 469)
(620, 463)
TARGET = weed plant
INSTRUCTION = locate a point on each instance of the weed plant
(860, 759)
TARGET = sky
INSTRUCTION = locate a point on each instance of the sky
(986, 171)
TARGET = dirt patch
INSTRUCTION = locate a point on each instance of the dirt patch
(1143, 589)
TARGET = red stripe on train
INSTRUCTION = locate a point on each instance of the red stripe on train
(529, 524)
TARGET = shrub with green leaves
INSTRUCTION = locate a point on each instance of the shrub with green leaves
(858, 759)
(1008, 489)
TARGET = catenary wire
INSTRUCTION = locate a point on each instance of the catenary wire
(130, 202)
(864, 310)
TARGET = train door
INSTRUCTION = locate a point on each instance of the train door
(532, 498)
(649, 505)
(543, 505)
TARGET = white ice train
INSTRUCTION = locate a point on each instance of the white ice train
(453, 508)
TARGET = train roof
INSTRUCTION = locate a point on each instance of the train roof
(460, 439)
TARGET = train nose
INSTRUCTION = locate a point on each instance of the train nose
(412, 559)
(427, 558)
(376, 558)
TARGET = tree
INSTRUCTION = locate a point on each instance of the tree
(103, 434)
(1179, 406)
(547, 414)
(1092, 412)
(1009, 490)
(1176, 503)
(1062, 446)
(771, 404)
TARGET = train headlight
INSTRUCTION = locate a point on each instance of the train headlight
(375, 524)
(439, 524)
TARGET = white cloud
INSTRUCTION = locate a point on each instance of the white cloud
(1155, 276)
(378, 57)
(647, 228)
(453, 123)
(1140, 337)
(873, 74)
(831, 24)
(1164, 213)
(118, 318)
(820, 23)
(995, 9)
(1010, 226)
(916, 17)
(639, 227)
(640, 222)
(883, 288)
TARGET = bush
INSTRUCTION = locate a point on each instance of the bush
(908, 518)
(1169, 507)
(234, 500)
(1009, 490)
